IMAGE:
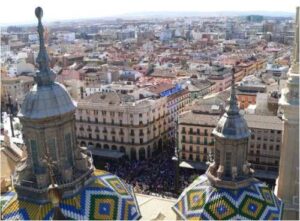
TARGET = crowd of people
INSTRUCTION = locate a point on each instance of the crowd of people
(155, 175)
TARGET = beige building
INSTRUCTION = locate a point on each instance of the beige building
(264, 145)
(196, 141)
(195, 127)
(111, 123)
(11, 156)
(16, 87)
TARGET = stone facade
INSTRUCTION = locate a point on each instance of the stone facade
(136, 128)
(287, 187)
(264, 143)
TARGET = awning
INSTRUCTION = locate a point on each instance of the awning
(106, 153)
(193, 165)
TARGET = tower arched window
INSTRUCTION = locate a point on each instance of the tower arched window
(34, 154)
(51, 143)
(68, 147)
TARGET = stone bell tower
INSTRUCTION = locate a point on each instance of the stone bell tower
(48, 118)
(230, 168)
(287, 185)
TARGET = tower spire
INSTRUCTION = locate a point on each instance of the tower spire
(44, 75)
(296, 62)
(232, 109)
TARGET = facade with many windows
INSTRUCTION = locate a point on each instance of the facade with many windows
(264, 143)
(195, 126)
(120, 124)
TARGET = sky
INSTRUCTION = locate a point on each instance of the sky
(22, 11)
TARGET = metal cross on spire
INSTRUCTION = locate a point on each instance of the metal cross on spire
(45, 75)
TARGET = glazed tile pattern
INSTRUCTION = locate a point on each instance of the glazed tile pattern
(106, 198)
(201, 201)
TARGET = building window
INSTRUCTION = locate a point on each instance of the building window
(205, 141)
(34, 154)
(252, 136)
(198, 140)
(191, 149)
(183, 138)
(183, 147)
(140, 115)
(121, 122)
(205, 132)
(52, 148)
(198, 131)
(271, 147)
(227, 163)
(132, 132)
(90, 136)
(191, 139)
(141, 141)
(191, 157)
(68, 147)
(277, 147)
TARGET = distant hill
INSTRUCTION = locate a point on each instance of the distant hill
(167, 14)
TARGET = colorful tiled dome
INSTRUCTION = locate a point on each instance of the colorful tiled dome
(202, 201)
(105, 198)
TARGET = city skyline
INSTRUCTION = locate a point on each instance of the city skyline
(56, 11)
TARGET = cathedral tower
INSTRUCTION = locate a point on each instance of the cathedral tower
(287, 187)
(59, 180)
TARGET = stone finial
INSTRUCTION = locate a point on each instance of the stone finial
(39, 13)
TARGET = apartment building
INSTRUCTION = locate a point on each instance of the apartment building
(16, 88)
(195, 126)
(196, 141)
(264, 144)
(118, 123)
(177, 99)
